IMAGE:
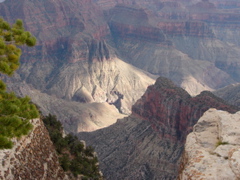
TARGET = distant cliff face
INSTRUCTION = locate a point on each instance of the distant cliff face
(74, 61)
(230, 94)
(149, 143)
(174, 45)
(82, 45)
(212, 149)
(32, 157)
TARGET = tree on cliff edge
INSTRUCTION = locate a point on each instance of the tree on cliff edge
(15, 112)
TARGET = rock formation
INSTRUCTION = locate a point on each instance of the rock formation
(82, 45)
(230, 94)
(148, 144)
(74, 116)
(32, 157)
(75, 63)
(212, 149)
(181, 43)
(76, 71)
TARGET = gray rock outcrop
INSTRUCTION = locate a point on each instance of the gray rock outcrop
(212, 150)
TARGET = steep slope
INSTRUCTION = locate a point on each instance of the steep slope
(32, 157)
(75, 116)
(212, 149)
(148, 144)
(112, 81)
(80, 47)
(73, 61)
(230, 94)
(180, 49)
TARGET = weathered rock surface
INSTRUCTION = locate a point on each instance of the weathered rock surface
(182, 51)
(112, 81)
(75, 62)
(80, 47)
(230, 94)
(74, 116)
(212, 150)
(193, 75)
(148, 144)
(32, 157)
(86, 96)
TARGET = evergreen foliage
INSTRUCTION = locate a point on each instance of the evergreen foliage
(73, 156)
(10, 38)
(15, 112)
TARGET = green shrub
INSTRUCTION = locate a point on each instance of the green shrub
(221, 143)
(73, 156)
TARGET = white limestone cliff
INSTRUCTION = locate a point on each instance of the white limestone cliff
(212, 150)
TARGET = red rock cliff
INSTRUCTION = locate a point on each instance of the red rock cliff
(172, 111)
(149, 143)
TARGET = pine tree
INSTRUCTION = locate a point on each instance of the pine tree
(15, 112)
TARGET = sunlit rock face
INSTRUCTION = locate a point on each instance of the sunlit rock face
(212, 149)
(173, 46)
(82, 45)
(149, 143)
(74, 63)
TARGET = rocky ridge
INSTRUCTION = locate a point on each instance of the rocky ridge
(32, 157)
(82, 45)
(76, 62)
(93, 115)
(230, 94)
(180, 44)
(212, 149)
(148, 144)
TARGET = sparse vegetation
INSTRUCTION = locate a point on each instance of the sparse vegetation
(219, 142)
(74, 157)
(15, 112)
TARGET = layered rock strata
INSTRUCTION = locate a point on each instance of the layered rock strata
(32, 157)
(148, 144)
(166, 47)
(230, 94)
(75, 62)
(212, 149)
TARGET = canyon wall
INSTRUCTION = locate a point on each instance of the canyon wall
(32, 157)
(149, 143)
(75, 62)
(230, 94)
(183, 49)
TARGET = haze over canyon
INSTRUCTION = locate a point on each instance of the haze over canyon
(130, 77)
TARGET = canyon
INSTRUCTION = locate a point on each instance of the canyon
(95, 64)
(149, 143)
(83, 48)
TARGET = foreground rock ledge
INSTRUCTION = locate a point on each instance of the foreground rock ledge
(32, 157)
(212, 150)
